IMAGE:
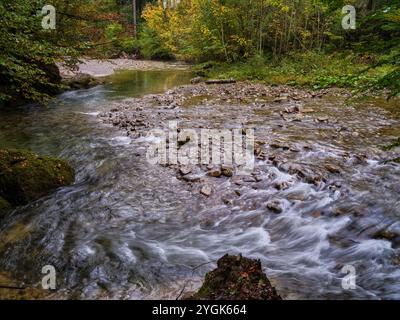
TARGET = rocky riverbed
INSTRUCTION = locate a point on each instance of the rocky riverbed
(300, 137)
(317, 154)
(323, 194)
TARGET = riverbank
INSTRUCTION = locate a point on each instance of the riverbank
(315, 70)
(103, 68)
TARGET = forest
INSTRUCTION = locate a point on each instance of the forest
(278, 42)
(199, 150)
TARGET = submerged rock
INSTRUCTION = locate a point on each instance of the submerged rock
(25, 176)
(206, 191)
(332, 168)
(275, 206)
(185, 170)
(236, 278)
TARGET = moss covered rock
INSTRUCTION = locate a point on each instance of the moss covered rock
(236, 278)
(82, 81)
(25, 176)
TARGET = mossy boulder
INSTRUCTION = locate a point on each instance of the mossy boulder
(236, 278)
(4, 206)
(82, 81)
(25, 176)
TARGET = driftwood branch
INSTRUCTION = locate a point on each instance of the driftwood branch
(12, 286)
(220, 81)
(187, 281)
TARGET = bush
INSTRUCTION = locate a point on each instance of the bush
(151, 46)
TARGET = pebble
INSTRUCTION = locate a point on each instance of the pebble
(185, 170)
(206, 191)
(215, 173)
(274, 206)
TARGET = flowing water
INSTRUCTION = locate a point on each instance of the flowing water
(128, 229)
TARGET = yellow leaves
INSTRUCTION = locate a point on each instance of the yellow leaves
(305, 34)
(205, 32)
(218, 10)
(243, 42)
(393, 17)
(285, 9)
(153, 15)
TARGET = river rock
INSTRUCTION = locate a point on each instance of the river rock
(81, 81)
(227, 171)
(274, 206)
(386, 235)
(216, 173)
(196, 80)
(192, 177)
(316, 214)
(281, 185)
(236, 278)
(249, 179)
(184, 170)
(281, 99)
(332, 168)
(293, 109)
(206, 191)
(323, 119)
(279, 145)
(25, 177)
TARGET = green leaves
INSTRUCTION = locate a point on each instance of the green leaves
(28, 53)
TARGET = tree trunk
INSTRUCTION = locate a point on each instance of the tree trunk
(134, 14)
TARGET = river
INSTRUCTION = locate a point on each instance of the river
(131, 230)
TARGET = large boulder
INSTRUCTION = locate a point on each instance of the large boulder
(25, 176)
(236, 278)
(82, 81)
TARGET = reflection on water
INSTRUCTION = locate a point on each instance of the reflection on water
(127, 229)
(145, 82)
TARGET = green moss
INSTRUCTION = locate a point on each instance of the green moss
(4, 206)
(25, 176)
(393, 145)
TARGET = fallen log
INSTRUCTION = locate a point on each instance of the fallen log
(220, 81)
